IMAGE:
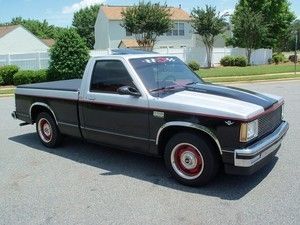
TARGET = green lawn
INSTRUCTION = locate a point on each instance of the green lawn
(251, 78)
(246, 71)
(5, 92)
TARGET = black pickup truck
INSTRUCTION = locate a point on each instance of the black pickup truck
(154, 104)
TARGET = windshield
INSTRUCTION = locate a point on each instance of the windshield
(164, 73)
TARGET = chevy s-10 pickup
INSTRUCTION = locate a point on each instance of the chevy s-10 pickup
(154, 104)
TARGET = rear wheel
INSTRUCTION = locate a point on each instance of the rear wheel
(47, 130)
(191, 159)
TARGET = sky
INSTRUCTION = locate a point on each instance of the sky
(60, 12)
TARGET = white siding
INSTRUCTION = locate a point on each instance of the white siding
(21, 41)
(116, 33)
(101, 32)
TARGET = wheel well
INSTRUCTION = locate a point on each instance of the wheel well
(172, 130)
(37, 109)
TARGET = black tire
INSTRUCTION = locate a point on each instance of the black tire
(191, 159)
(47, 130)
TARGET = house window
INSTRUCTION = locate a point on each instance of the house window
(177, 30)
(128, 33)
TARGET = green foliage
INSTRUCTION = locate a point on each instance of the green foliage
(147, 21)
(7, 74)
(278, 58)
(277, 17)
(38, 28)
(1, 81)
(194, 65)
(293, 58)
(270, 61)
(84, 22)
(249, 30)
(290, 44)
(240, 61)
(30, 77)
(69, 56)
(227, 61)
(208, 23)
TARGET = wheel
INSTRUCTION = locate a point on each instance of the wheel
(191, 159)
(47, 130)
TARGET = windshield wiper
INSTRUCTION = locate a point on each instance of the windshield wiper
(191, 83)
(163, 89)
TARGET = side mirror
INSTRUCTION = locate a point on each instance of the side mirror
(127, 90)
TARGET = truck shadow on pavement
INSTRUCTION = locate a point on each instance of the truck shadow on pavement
(145, 168)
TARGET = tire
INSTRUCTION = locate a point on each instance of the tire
(47, 130)
(191, 159)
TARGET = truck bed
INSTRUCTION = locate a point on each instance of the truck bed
(63, 85)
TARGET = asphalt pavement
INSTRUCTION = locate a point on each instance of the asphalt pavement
(81, 183)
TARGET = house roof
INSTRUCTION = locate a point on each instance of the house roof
(4, 30)
(49, 42)
(128, 43)
(115, 13)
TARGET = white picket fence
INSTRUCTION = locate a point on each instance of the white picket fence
(26, 61)
(40, 60)
(259, 56)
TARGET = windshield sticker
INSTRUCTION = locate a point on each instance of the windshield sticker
(159, 60)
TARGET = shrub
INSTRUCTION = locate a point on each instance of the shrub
(293, 58)
(1, 81)
(240, 61)
(69, 56)
(7, 73)
(234, 61)
(30, 76)
(278, 58)
(227, 61)
(194, 65)
(270, 61)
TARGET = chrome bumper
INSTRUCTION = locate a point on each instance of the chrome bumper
(251, 155)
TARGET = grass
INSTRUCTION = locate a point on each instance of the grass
(6, 91)
(252, 78)
(247, 71)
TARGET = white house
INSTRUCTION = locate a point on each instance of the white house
(16, 39)
(110, 34)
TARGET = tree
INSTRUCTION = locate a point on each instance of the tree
(84, 22)
(276, 15)
(249, 30)
(68, 56)
(208, 23)
(147, 21)
(38, 28)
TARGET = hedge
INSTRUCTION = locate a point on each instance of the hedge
(234, 61)
(194, 65)
(278, 58)
(7, 73)
(30, 76)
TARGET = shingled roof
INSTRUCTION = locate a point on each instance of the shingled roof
(115, 13)
(4, 30)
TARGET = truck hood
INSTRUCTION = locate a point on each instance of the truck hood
(217, 101)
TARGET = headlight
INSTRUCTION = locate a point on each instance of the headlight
(248, 131)
(282, 112)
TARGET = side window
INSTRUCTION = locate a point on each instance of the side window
(109, 75)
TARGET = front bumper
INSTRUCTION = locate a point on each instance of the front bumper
(250, 159)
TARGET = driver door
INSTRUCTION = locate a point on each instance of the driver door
(110, 118)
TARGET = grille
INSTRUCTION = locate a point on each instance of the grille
(269, 122)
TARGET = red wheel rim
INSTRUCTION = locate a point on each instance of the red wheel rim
(45, 130)
(187, 161)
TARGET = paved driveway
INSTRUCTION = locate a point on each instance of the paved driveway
(87, 184)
